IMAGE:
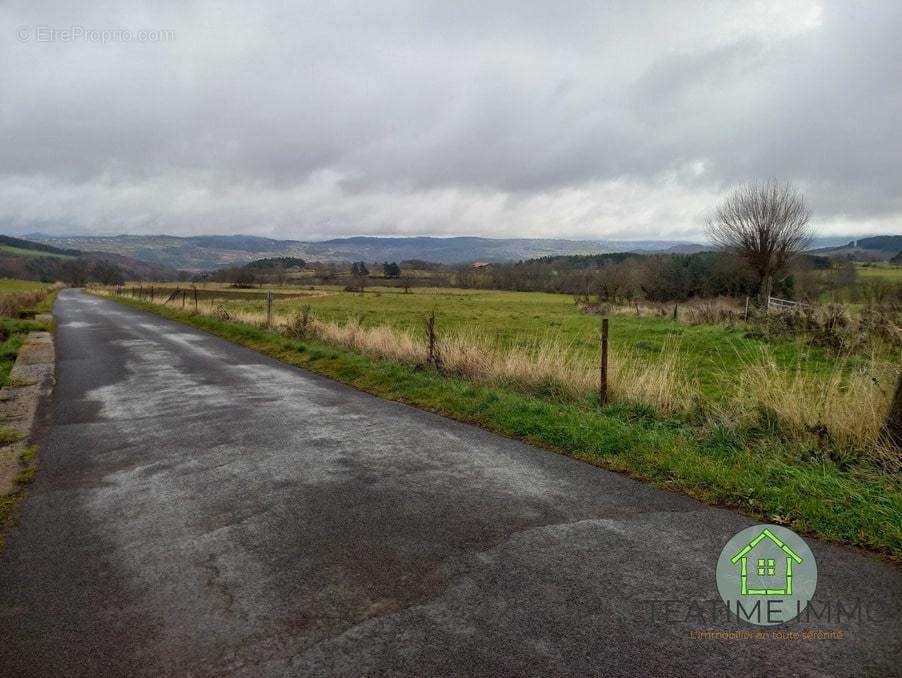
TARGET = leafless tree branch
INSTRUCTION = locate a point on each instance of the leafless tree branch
(765, 223)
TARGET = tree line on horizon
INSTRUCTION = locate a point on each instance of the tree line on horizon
(761, 231)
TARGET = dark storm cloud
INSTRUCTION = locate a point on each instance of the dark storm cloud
(506, 118)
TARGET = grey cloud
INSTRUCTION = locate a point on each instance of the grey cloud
(506, 118)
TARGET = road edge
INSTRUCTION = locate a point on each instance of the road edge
(31, 381)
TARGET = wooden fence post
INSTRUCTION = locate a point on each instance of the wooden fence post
(892, 429)
(269, 309)
(746, 309)
(430, 331)
(195, 299)
(675, 306)
(603, 365)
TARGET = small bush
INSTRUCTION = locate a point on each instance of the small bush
(299, 324)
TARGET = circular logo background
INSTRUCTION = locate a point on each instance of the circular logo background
(766, 575)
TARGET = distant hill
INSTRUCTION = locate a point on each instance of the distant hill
(27, 248)
(211, 252)
(875, 247)
(276, 263)
(448, 250)
(133, 269)
(195, 253)
(884, 243)
(28, 260)
(682, 248)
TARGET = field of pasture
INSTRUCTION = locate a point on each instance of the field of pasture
(880, 270)
(707, 356)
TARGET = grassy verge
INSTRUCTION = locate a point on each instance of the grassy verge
(757, 473)
(15, 332)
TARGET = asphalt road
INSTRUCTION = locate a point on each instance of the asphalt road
(203, 509)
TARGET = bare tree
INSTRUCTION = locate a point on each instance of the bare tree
(766, 224)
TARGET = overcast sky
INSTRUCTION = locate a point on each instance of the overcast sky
(511, 118)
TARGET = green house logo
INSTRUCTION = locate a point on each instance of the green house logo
(767, 567)
(766, 575)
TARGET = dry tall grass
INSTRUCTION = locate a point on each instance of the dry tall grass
(542, 363)
(380, 341)
(846, 405)
(711, 311)
(13, 302)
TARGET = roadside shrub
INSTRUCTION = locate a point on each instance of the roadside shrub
(298, 326)
(834, 327)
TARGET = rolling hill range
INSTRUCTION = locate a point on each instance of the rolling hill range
(877, 247)
(212, 252)
(28, 260)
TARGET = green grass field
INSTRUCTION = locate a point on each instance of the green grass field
(711, 355)
(22, 252)
(9, 285)
(882, 270)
